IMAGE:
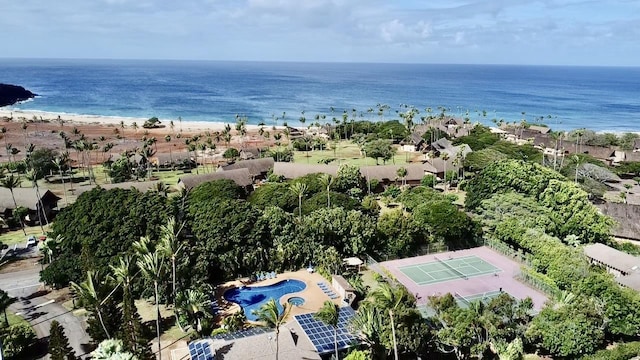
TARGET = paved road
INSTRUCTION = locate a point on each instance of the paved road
(40, 311)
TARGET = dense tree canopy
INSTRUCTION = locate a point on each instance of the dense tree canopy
(100, 226)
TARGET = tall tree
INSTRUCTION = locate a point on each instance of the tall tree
(90, 296)
(330, 314)
(269, 314)
(151, 265)
(5, 301)
(194, 304)
(300, 189)
(171, 247)
(33, 177)
(59, 348)
(327, 181)
(11, 182)
(402, 174)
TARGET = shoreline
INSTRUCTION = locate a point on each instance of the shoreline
(114, 121)
(190, 126)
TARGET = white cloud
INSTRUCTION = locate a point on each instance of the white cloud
(395, 31)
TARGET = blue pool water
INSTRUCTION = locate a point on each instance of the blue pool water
(251, 298)
(296, 301)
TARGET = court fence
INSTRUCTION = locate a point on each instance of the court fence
(538, 281)
(506, 250)
(423, 250)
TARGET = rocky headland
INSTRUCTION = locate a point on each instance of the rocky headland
(11, 94)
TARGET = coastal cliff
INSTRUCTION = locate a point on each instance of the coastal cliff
(11, 94)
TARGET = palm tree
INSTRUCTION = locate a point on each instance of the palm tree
(170, 247)
(195, 304)
(330, 314)
(445, 157)
(86, 290)
(402, 173)
(111, 349)
(6, 145)
(300, 189)
(327, 180)
(270, 315)
(59, 162)
(151, 265)
(5, 301)
(387, 297)
(369, 324)
(134, 125)
(33, 177)
(11, 182)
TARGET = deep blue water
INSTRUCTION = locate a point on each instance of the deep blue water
(595, 97)
(251, 298)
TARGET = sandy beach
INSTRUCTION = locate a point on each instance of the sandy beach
(113, 121)
(43, 130)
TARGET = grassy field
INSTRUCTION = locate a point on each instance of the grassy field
(347, 153)
(14, 319)
(17, 236)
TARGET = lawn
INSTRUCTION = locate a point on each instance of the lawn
(14, 319)
(347, 153)
(17, 236)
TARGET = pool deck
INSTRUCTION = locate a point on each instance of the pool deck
(313, 296)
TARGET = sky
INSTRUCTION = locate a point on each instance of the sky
(547, 32)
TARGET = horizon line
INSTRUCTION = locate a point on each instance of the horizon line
(2, 58)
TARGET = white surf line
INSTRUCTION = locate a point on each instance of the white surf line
(23, 287)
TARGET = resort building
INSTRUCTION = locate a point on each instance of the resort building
(142, 186)
(258, 168)
(241, 177)
(627, 219)
(40, 207)
(625, 267)
(295, 170)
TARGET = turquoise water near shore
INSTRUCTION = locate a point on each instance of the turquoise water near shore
(599, 98)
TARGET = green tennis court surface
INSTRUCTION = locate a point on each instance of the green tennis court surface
(462, 301)
(448, 269)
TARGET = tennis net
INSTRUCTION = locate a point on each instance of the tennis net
(457, 272)
(462, 298)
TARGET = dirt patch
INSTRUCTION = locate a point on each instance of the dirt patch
(20, 265)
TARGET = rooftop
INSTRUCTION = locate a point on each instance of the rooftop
(612, 258)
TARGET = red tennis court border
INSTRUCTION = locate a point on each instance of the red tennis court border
(504, 280)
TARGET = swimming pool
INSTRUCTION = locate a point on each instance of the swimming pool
(296, 301)
(251, 298)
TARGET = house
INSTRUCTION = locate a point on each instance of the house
(241, 177)
(624, 267)
(444, 146)
(295, 170)
(179, 159)
(615, 261)
(605, 154)
(627, 217)
(258, 168)
(539, 129)
(142, 186)
(414, 143)
(40, 207)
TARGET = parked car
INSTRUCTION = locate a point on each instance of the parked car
(32, 241)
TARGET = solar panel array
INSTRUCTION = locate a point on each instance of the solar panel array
(200, 350)
(321, 335)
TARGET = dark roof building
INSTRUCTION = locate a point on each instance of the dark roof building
(258, 168)
(142, 186)
(294, 170)
(240, 177)
(617, 262)
(627, 217)
(27, 198)
(389, 173)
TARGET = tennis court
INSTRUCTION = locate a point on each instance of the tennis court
(448, 269)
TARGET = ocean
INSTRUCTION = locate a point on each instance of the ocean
(599, 98)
